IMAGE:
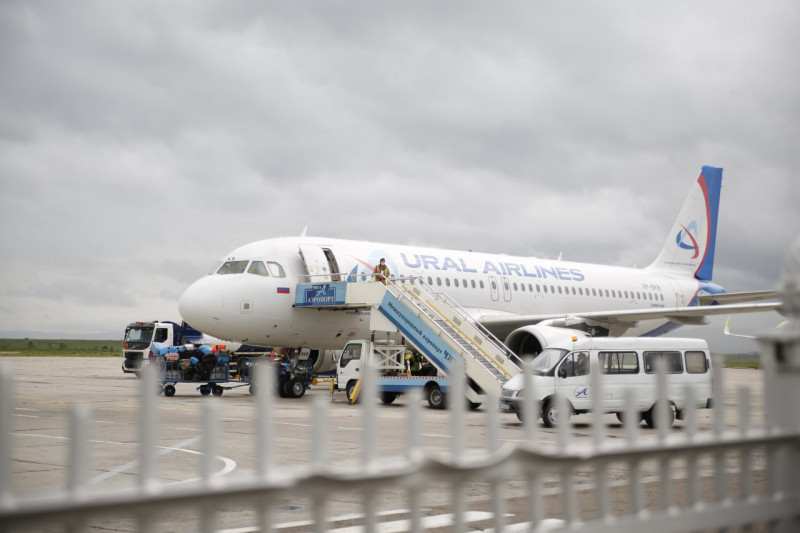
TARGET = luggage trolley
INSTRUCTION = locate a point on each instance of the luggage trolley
(198, 365)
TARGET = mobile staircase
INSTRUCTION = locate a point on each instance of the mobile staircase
(431, 321)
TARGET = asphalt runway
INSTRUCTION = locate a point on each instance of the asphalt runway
(46, 388)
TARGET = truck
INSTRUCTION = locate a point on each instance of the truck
(140, 335)
(393, 376)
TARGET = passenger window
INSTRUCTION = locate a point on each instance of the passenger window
(575, 364)
(696, 363)
(447, 281)
(439, 282)
(258, 268)
(455, 282)
(515, 286)
(619, 362)
(522, 286)
(276, 270)
(481, 283)
(672, 360)
(232, 267)
(473, 283)
(430, 281)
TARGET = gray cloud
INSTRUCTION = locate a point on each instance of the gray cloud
(139, 143)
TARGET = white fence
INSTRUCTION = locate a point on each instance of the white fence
(680, 499)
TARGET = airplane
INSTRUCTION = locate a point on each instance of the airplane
(528, 302)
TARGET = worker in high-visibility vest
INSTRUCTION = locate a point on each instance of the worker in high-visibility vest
(381, 272)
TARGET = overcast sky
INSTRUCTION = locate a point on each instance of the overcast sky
(142, 141)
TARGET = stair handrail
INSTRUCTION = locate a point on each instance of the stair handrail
(462, 313)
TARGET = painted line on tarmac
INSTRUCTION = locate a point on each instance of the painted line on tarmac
(230, 464)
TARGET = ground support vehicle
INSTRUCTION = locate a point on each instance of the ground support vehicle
(393, 377)
(626, 365)
(139, 336)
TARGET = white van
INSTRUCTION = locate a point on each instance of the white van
(626, 363)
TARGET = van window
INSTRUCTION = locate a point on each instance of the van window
(575, 364)
(619, 362)
(672, 359)
(696, 363)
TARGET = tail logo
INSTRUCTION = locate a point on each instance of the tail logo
(688, 232)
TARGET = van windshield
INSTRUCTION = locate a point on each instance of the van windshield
(546, 360)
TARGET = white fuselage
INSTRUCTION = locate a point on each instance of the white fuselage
(259, 309)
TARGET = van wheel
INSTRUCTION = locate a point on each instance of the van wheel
(650, 417)
(436, 397)
(551, 417)
(621, 417)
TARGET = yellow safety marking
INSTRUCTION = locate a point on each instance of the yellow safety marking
(356, 390)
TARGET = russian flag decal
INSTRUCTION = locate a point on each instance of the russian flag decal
(283, 290)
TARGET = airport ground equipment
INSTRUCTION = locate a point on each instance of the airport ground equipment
(210, 372)
(295, 374)
(139, 336)
(431, 322)
(388, 361)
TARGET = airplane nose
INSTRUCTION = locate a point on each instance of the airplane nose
(201, 305)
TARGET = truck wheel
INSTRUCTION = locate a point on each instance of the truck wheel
(436, 398)
(388, 397)
(169, 390)
(217, 390)
(551, 417)
(295, 388)
(349, 390)
(650, 416)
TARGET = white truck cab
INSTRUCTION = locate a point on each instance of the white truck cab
(626, 364)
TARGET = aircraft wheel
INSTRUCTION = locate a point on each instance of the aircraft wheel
(295, 388)
(282, 387)
(388, 397)
(205, 391)
(169, 390)
(217, 390)
(436, 399)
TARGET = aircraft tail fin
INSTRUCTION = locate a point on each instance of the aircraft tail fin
(690, 246)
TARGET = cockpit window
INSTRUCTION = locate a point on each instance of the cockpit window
(233, 267)
(276, 270)
(258, 268)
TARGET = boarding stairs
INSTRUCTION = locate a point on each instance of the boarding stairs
(432, 322)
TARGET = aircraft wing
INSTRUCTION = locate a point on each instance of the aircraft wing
(619, 321)
(736, 297)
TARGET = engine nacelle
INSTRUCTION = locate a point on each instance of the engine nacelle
(529, 341)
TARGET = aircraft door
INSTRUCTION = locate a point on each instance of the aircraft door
(493, 287)
(506, 289)
(316, 262)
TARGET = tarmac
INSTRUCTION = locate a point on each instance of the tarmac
(45, 390)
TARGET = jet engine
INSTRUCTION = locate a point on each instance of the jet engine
(529, 341)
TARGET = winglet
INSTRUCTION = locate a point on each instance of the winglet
(691, 243)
